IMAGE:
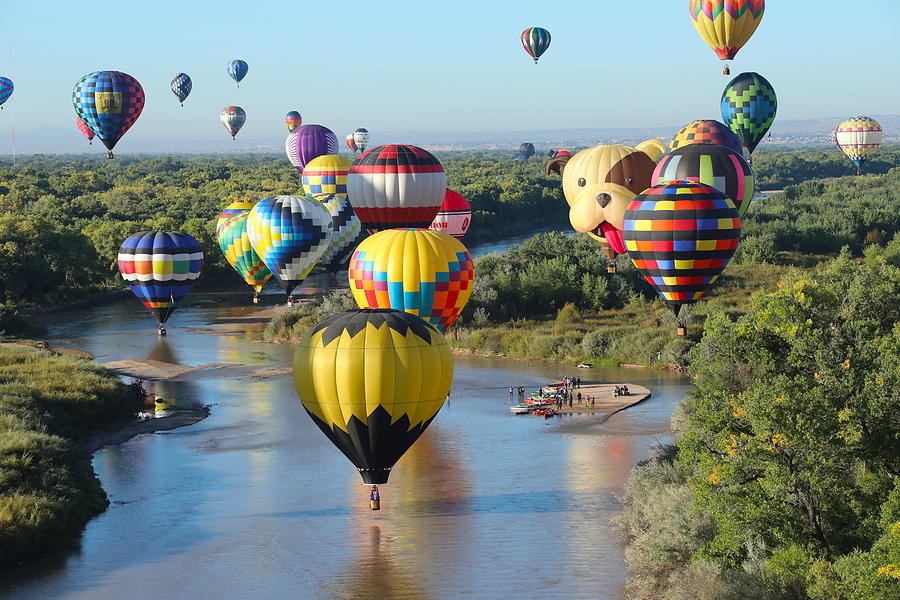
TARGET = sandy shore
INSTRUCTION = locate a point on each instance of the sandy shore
(123, 433)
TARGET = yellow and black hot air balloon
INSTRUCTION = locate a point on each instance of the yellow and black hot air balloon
(726, 25)
(373, 380)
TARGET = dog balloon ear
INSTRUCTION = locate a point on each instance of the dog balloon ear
(652, 148)
(557, 164)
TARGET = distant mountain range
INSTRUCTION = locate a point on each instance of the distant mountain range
(60, 141)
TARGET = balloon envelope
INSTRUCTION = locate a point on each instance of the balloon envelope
(326, 174)
(237, 70)
(706, 131)
(6, 89)
(181, 86)
(372, 381)
(361, 139)
(161, 268)
(859, 138)
(535, 40)
(109, 102)
(680, 235)
(233, 118)
(526, 150)
(308, 142)
(290, 234)
(235, 244)
(748, 108)
(293, 120)
(726, 25)
(396, 186)
(422, 272)
(454, 216)
(237, 207)
(84, 129)
(713, 164)
(350, 143)
(345, 227)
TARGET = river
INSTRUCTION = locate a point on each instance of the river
(254, 502)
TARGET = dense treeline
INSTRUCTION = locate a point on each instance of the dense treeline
(785, 481)
(776, 168)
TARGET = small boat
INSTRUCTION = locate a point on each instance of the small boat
(520, 410)
(584, 366)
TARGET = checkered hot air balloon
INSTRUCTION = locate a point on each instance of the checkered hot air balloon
(706, 131)
(181, 86)
(293, 120)
(326, 174)
(84, 129)
(346, 229)
(423, 272)
(235, 244)
(726, 25)
(681, 235)
(241, 205)
(396, 186)
(6, 90)
(712, 164)
(748, 108)
(161, 268)
(109, 102)
(859, 138)
(237, 70)
(535, 40)
(233, 118)
(290, 234)
(308, 142)
(454, 215)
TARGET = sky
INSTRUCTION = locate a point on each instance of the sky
(399, 67)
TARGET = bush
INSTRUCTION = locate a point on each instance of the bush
(756, 249)
(568, 314)
(595, 344)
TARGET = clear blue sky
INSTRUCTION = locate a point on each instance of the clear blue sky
(434, 66)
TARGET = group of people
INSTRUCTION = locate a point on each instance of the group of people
(621, 390)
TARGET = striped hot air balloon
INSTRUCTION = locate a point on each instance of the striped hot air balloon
(237, 207)
(706, 131)
(680, 235)
(396, 186)
(233, 118)
(422, 272)
(326, 174)
(345, 231)
(308, 142)
(535, 40)
(859, 138)
(293, 120)
(235, 244)
(361, 139)
(161, 268)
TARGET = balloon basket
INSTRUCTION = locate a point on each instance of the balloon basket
(255, 299)
(109, 154)
(611, 269)
(681, 331)
(161, 331)
(374, 499)
(726, 70)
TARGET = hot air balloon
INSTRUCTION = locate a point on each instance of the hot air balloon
(748, 108)
(535, 40)
(84, 129)
(396, 186)
(181, 86)
(6, 90)
(726, 25)
(653, 148)
(834, 138)
(307, 142)
(345, 227)
(350, 143)
(706, 131)
(233, 118)
(713, 164)
(361, 139)
(326, 174)
(859, 138)
(161, 268)
(373, 380)
(109, 102)
(293, 120)
(237, 70)
(680, 235)
(423, 272)
(290, 234)
(454, 216)
(526, 150)
(241, 205)
(235, 244)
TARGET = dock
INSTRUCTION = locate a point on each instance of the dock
(605, 402)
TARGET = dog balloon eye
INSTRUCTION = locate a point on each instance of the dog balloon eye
(581, 182)
(629, 180)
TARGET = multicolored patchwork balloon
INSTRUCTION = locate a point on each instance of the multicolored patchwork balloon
(726, 25)
(454, 216)
(713, 164)
(237, 70)
(161, 268)
(233, 118)
(235, 244)
(706, 131)
(419, 271)
(84, 129)
(859, 138)
(308, 142)
(396, 186)
(181, 86)
(748, 108)
(6, 90)
(345, 231)
(293, 120)
(326, 174)
(109, 102)
(535, 40)
(290, 234)
(361, 139)
(681, 235)
(241, 205)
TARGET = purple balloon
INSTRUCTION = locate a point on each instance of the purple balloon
(307, 142)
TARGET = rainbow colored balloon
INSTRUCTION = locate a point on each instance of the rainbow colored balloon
(293, 120)
(726, 25)
(235, 244)
(326, 174)
(535, 40)
(419, 271)
(706, 131)
(241, 205)
(680, 235)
